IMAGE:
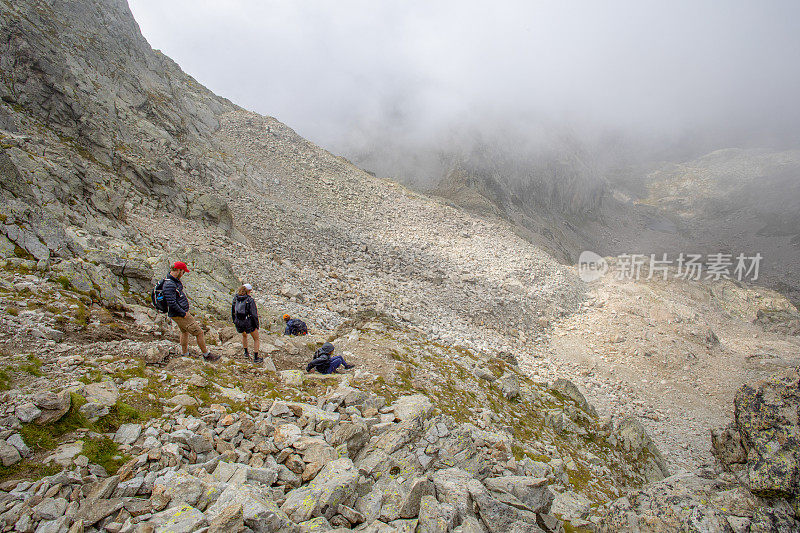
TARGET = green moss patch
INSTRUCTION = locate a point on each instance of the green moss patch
(104, 452)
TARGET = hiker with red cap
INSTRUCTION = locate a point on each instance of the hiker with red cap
(178, 310)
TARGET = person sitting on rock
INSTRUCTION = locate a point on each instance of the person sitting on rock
(244, 314)
(178, 310)
(294, 326)
(325, 362)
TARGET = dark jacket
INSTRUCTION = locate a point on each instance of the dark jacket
(321, 359)
(177, 302)
(295, 326)
(252, 310)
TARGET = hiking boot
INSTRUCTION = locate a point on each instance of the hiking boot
(258, 359)
(348, 367)
(210, 357)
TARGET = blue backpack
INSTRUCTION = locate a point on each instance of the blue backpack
(295, 326)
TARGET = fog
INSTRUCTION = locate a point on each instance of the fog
(405, 87)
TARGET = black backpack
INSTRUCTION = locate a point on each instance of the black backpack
(240, 310)
(295, 326)
(157, 296)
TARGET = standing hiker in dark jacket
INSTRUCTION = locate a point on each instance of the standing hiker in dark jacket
(178, 310)
(244, 314)
(325, 362)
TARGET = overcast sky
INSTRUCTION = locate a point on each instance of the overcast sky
(331, 69)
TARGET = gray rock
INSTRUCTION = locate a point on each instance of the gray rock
(230, 520)
(634, 438)
(458, 450)
(65, 453)
(533, 492)
(569, 390)
(354, 435)
(333, 485)
(9, 455)
(183, 399)
(180, 519)
(419, 487)
(265, 476)
(156, 355)
(260, 513)
(499, 516)
(45, 332)
(509, 385)
(59, 525)
(17, 442)
(452, 486)
(180, 487)
(773, 519)
(434, 517)
(27, 412)
(315, 525)
(412, 406)
(484, 374)
(767, 418)
(50, 508)
(571, 505)
(704, 504)
(135, 384)
(285, 435)
(200, 443)
(53, 406)
(93, 510)
(104, 392)
(127, 433)
(129, 488)
(94, 410)
(352, 516)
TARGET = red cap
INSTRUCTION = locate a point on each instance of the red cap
(180, 265)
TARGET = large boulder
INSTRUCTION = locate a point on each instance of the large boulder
(182, 487)
(531, 491)
(629, 434)
(568, 389)
(767, 416)
(122, 266)
(53, 406)
(259, 512)
(334, 484)
(684, 502)
(499, 516)
(90, 278)
(103, 392)
(413, 406)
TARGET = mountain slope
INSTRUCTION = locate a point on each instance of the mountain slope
(128, 155)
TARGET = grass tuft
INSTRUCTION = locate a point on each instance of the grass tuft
(104, 452)
(33, 366)
(5, 380)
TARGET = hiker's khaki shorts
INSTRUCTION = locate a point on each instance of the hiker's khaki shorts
(188, 324)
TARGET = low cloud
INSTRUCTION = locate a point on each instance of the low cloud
(410, 84)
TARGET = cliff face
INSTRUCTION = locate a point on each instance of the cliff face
(85, 70)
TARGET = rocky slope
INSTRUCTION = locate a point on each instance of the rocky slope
(147, 163)
(114, 162)
(130, 437)
(729, 201)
